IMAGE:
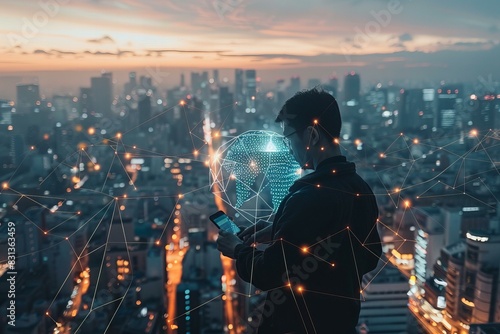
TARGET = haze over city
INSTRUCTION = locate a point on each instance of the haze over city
(399, 40)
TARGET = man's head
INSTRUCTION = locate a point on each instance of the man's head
(311, 125)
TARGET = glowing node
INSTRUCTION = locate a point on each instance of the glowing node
(333, 264)
(300, 289)
(473, 132)
(304, 249)
(334, 171)
(195, 152)
(322, 148)
(415, 141)
(317, 185)
(127, 156)
(66, 238)
(182, 102)
(45, 232)
(5, 185)
(407, 204)
(118, 135)
(181, 195)
(336, 141)
(315, 121)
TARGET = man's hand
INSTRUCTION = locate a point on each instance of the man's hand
(260, 233)
(227, 242)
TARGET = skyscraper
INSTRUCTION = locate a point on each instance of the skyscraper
(101, 93)
(5, 114)
(144, 109)
(332, 87)
(226, 107)
(483, 112)
(238, 85)
(410, 110)
(352, 86)
(448, 98)
(28, 97)
(250, 90)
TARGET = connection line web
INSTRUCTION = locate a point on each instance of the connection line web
(109, 230)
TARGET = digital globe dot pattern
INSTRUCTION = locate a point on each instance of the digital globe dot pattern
(254, 172)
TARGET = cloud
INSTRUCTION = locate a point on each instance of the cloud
(406, 37)
(43, 52)
(103, 40)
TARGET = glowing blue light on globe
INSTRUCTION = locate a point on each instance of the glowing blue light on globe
(253, 172)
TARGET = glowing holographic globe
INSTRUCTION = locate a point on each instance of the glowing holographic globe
(253, 172)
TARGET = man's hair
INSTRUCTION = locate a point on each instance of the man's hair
(309, 105)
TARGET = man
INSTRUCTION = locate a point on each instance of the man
(324, 235)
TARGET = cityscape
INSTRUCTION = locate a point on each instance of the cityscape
(106, 189)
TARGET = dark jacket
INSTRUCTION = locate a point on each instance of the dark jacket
(324, 240)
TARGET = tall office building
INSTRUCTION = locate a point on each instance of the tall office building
(28, 98)
(383, 305)
(429, 240)
(216, 77)
(144, 110)
(483, 112)
(410, 110)
(226, 107)
(449, 97)
(189, 318)
(332, 87)
(239, 82)
(352, 87)
(5, 114)
(101, 93)
(250, 90)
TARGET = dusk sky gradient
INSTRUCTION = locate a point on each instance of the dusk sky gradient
(321, 36)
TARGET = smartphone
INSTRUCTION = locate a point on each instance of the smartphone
(222, 221)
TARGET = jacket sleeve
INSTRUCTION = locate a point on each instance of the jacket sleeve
(269, 269)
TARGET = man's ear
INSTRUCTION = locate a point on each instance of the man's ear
(313, 135)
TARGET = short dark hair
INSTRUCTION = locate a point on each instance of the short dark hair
(309, 105)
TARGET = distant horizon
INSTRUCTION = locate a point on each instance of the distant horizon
(63, 82)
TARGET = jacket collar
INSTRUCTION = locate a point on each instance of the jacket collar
(334, 166)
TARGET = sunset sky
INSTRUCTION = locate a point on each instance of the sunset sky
(372, 35)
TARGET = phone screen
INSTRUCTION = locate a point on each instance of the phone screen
(223, 222)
